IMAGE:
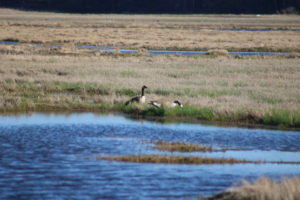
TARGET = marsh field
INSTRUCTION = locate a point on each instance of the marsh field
(60, 73)
(56, 76)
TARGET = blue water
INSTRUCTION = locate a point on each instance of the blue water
(54, 156)
(158, 52)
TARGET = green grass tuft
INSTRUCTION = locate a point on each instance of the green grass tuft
(282, 118)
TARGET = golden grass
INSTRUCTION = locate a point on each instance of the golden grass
(171, 159)
(193, 32)
(228, 85)
(180, 146)
(263, 189)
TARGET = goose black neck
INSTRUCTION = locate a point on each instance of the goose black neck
(143, 91)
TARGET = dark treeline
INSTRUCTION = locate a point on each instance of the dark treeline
(157, 6)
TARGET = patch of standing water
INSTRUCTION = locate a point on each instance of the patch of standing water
(53, 156)
(158, 52)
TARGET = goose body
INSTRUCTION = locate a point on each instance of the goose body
(138, 99)
(165, 103)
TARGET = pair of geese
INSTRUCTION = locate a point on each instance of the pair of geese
(157, 103)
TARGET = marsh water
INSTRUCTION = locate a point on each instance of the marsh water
(54, 156)
(154, 52)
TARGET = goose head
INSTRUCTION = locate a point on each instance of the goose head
(176, 102)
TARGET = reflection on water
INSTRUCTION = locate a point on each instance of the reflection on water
(52, 156)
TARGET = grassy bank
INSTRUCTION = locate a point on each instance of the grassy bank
(251, 89)
(263, 189)
(280, 118)
(56, 96)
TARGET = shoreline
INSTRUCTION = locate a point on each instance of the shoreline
(246, 123)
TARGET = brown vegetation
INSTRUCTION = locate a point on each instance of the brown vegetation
(263, 189)
(188, 32)
(180, 146)
(172, 159)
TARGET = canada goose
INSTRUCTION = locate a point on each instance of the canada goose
(138, 99)
(165, 102)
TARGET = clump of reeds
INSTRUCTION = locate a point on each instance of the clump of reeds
(180, 146)
(263, 189)
(143, 51)
(218, 52)
(165, 159)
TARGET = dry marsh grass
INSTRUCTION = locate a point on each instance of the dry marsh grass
(251, 87)
(263, 189)
(171, 159)
(180, 146)
(189, 32)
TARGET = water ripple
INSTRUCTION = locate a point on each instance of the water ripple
(54, 157)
